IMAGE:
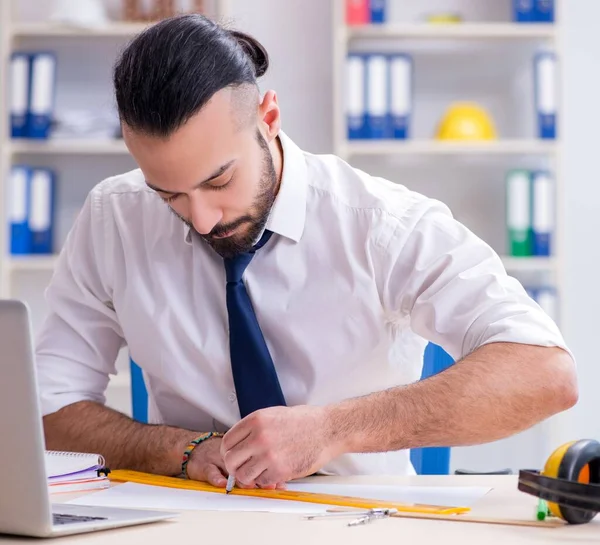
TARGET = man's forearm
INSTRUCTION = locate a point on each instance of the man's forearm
(498, 390)
(124, 443)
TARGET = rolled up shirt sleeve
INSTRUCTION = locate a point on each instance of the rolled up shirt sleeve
(454, 289)
(80, 338)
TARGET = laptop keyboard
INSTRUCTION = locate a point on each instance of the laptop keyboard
(70, 519)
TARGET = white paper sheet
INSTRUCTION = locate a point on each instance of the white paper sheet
(139, 496)
(142, 496)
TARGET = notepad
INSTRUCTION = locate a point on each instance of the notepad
(74, 471)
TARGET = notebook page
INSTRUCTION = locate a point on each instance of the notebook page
(68, 463)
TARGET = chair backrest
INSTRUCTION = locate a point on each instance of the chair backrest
(432, 460)
(139, 394)
(426, 461)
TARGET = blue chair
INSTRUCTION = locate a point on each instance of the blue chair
(432, 460)
(139, 394)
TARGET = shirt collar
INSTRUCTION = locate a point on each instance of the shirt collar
(288, 214)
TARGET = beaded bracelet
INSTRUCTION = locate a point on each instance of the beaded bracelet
(191, 446)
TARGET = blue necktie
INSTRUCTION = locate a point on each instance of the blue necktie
(254, 375)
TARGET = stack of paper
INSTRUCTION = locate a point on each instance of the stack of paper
(74, 471)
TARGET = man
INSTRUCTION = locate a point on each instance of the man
(279, 297)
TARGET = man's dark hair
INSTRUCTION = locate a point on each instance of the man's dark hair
(172, 69)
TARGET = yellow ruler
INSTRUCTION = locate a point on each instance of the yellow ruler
(121, 475)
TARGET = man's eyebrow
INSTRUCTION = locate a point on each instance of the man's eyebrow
(214, 175)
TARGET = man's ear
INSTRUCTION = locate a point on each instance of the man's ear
(270, 116)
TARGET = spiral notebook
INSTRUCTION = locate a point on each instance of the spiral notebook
(74, 471)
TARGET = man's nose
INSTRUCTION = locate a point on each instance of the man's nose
(203, 216)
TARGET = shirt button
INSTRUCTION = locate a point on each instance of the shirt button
(232, 397)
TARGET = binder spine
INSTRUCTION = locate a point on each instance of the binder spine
(41, 104)
(543, 214)
(400, 95)
(18, 200)
(546, 94)
(357, 12)
(377, 96)
(547, 299)
(523, 11)
(378, 9)
(19, 94)
(355, 96)
(518, 206)
(41, 214)
(544, 11)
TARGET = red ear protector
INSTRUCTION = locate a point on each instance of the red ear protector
(570, 481)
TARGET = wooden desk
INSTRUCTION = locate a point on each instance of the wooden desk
(227, 528)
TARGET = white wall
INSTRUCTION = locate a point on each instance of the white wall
(582, 142)
(298, 35)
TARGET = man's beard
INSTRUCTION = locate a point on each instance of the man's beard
(254, 221)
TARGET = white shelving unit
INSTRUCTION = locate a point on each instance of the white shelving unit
(433, 44)
(59, 153)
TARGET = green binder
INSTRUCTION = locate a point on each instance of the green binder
(519, 212)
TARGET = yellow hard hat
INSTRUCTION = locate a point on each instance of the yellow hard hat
(466, 121)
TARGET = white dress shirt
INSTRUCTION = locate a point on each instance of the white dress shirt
(359, 274)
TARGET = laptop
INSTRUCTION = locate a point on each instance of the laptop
(25, 505)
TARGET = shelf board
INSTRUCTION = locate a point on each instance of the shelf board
(438, 147)
(517, 264)
(68, 147)
(480, 31)
(47, 263)
(48, 29)
(31, 263)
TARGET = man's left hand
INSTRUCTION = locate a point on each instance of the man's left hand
(275, 445)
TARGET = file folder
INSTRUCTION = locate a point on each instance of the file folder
(523, 11)
(41, 210)
(547, 299)
(18, 203)
(41, 102)
(19, 94)
(357, 12)
(356, 96)
(543, 213)
(518, 212)
(400, 87)
(377, 96)
(546, 94)
(378, 11)
(544, 11)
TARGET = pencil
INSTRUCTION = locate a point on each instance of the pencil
(230, 484)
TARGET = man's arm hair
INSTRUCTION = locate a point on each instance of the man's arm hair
(498, 390)
(87, 426)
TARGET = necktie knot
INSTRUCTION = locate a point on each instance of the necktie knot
(236, 265)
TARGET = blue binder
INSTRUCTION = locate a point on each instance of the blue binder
(377, 74)
(523, 11)
(356, 96)
(544, 11)
(378, 9)
(543, 213)
(547, 297)
(41, 210)
(41, 96)
(18, 206)
(401, 93)
(545, 64)
(19, 94)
